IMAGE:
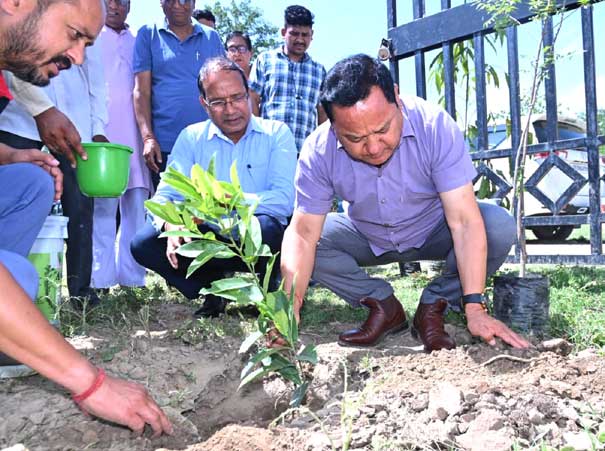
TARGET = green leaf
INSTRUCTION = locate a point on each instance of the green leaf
(212, 167)
(307, 354)
(249, 294)
(298, 395)
(268, 272)
(278, 365)
(234, 177)
(209, 236)
(264, 251)
(197, 247)
(201, 180)
(256, 374)
(253, 239)
(277, 305)
(180, 182)
(167, 211)
(249, 341)
(218, 192)
(292, 317)
(218, 251)
(601, 437)
(232, 283)
(257, 358)
(288, 372)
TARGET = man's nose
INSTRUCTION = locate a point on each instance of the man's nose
(373, 145)
(229, 106)
(76, 53)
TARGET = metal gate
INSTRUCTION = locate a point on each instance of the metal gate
(452, 24)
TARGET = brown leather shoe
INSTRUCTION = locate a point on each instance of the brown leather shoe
(428, 324)
(385, 317)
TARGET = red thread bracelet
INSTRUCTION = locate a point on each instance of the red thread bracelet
(93, 388)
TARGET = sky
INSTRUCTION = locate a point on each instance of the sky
(345, 27)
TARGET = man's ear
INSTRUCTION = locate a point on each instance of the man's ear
(203, 103)
(397, 98)
(283, 32)
(13, 7)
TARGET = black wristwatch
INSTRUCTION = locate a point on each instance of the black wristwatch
(474, 298)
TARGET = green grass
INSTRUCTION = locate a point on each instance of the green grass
(577, 304)
(122, 309)
(577, 307)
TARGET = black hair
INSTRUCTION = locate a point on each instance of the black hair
(240, 34)
(351, 79)
(203, 14)
(216, 64)
(298, 15)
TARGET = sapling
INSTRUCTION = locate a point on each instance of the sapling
(234, 232)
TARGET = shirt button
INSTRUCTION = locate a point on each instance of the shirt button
(383, 201)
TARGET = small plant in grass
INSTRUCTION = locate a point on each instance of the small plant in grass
(234, 232)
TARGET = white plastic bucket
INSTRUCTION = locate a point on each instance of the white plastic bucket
(47, 256)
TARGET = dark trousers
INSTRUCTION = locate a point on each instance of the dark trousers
(150, 251)
(155, 176)
(79, 209)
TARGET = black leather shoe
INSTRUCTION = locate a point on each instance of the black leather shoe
(212, 307)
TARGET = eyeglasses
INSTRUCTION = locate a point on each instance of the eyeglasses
(118, 2)
(180, 2)
(220, 104)
(237, 49)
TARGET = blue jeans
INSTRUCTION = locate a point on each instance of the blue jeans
(79, 209)
(150, 251)
(26, 196)
(342, 251)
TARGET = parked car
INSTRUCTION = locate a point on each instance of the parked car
(555, 182)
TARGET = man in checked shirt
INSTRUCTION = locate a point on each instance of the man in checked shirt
(285, 82)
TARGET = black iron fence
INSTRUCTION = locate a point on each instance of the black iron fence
(467, 22)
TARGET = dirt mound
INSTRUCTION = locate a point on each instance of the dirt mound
(474, 397)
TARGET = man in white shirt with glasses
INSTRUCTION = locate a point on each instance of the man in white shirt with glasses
(265, 154)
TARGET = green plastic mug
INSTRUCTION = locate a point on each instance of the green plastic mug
(105, 173)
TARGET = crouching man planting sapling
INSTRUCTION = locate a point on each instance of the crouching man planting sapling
(407, 177)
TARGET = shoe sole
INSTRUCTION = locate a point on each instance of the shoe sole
(393, 331)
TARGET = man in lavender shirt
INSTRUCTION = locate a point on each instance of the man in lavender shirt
(407, 177)
(117, 47)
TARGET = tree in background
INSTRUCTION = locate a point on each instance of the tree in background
(243, 16)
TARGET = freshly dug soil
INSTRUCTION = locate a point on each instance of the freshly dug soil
(474, 397)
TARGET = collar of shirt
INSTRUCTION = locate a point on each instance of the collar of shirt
(282, 54)
(253, 126)
(125, 30)
(197, 28)
(407, 131)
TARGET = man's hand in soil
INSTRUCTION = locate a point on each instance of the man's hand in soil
(480, 324)
(127, 403)
(60, 134)
(46, 161)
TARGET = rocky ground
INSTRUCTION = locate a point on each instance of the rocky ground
(394, 397)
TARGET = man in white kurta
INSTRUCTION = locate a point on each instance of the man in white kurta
(110, 268)
(79, 93)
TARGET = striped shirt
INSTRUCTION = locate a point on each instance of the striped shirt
(288, 90)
